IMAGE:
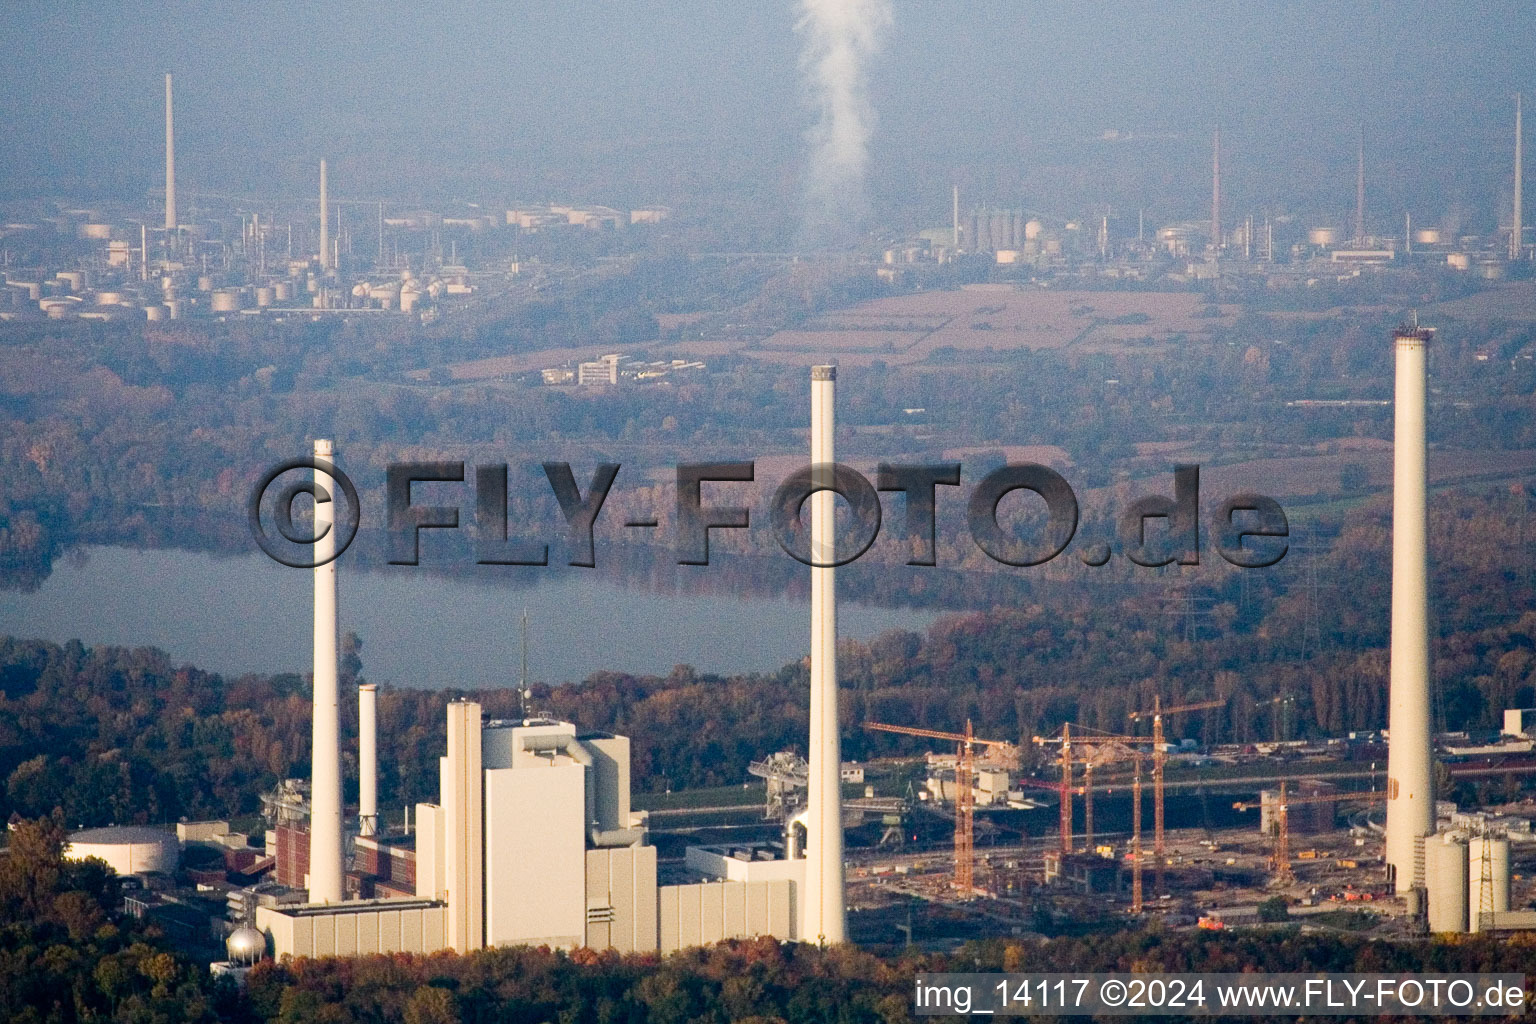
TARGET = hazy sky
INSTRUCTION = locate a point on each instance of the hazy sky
(632, 101)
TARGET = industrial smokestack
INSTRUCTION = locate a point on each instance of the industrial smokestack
(1360, 191)
(367, 759)
(325, 843)
(325, 222)
(825, 915)
(1516, 236)
(956, 213)
(170, 160)
(1410, 792)
(1216, 191)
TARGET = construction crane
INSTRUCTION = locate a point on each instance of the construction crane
(965, 797)
(1096, 743)
(1282, 858)
(1136, 901)
(1159, 759)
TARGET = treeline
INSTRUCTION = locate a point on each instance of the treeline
(126, 735)
(66, 956)
(119, 433)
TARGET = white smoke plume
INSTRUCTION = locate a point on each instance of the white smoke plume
(839, 38)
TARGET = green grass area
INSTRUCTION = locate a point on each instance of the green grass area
(713, 796)
(1344, 920)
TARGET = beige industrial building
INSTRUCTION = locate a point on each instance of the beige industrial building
(533, 842)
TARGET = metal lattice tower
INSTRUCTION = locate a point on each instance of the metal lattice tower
(1159, 760)
(965, 818)
(1136, 900)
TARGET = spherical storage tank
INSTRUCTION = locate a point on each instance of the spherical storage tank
(127, 849)
(1445, 878)
(245, 945)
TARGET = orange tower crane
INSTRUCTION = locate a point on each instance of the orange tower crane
(1136, 902)
(965, 797)
(1160, 758)
(1282, 858)
(1100, 749)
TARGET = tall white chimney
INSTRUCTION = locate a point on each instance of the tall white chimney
(170, 160)
(1410, 787)
(1518, 227)
(1360, 191)
(325, 222)
(955, 212)
(1216, 191)
(367, 759)
(325, 842)
(825, 916)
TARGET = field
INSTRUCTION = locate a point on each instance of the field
(935, 327)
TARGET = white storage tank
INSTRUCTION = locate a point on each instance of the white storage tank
(282, 291)
(205, 283)
(1487, 867)
(1445, 878)
(1323, 237)
(74, 278)
(156, 312)
(226, 300)
(127, 849)
(264, 297)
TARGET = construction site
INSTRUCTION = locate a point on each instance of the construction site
(1086, 830)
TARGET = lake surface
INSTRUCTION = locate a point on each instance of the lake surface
(245, 613)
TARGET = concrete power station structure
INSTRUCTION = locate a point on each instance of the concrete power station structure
(532, 839)
(1410, 793)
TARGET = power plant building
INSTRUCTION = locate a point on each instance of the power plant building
(533, 841)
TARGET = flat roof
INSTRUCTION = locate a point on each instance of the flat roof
(357, 907)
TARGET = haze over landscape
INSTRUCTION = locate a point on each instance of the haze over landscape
(1179, 365)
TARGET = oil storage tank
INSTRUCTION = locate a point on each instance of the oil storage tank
(127, 849)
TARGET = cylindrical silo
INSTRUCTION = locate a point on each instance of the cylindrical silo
(1445, 877)
(226, 300)
(1488, 878)
(264, 296)
(1002, 233)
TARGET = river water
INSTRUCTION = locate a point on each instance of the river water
(245, 613)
